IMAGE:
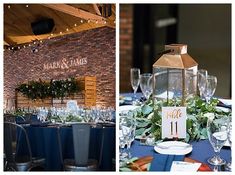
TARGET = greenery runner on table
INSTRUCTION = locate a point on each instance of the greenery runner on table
(148, 117)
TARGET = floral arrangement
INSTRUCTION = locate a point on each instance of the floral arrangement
(148, 117)
(55, 88)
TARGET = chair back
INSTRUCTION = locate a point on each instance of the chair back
(81, 141)
(12, 133)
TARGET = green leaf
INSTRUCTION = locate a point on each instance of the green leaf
(139, 132)
(203, 134)
(125, 169)
(146, 109)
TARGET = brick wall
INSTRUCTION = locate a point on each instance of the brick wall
(126, 45)
(97, 46)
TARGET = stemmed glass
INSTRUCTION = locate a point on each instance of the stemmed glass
(229, 132)
(126, 134)
(210, 86)
(146, 84)
(201, 81)
(217, 134)
(135, 80)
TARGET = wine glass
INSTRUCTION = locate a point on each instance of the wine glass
(126, 134)
(135, 80)
(146, 84)
(201, 80)
(228, 166)
(217, 134)
(210, 87)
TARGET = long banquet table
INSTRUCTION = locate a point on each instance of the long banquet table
(202, 149)
(44, 143)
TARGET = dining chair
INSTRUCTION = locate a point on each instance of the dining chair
(13, 160)
(104, 138)
(81, 141)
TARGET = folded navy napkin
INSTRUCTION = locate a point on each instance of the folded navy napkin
(163, 162)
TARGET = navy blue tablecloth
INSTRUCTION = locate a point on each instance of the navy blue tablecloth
(202, 150)
(44, 143)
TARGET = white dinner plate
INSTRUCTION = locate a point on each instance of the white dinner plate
(223, 109)
(173, 148)
(227, 102)
(127, 108)
(227, 143)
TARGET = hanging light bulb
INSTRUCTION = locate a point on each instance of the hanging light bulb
(81, 21)
(29, 45)
(27, 6)
(41, 41)
(24, 46)
(8, 6)
(52, 34)
(75, 25)
(34, 42)
(89, 21)
(61, 33)
(67, 29)
(105, 22)
(18, 47)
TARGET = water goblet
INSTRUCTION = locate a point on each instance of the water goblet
(217, 134)
(228, 166)
(146, 84)
(210, 87)
(126, 134)
(201, 81)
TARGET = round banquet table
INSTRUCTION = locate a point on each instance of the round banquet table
(44, 143)
(202, 149)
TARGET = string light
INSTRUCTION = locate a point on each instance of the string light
(27, 6)
(8, 6)
(61, 32)
(114, 21)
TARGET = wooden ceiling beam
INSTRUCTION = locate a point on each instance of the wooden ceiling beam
(96, 9)
(9, 41)
(68, 9)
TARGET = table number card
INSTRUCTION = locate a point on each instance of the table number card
(173, 122)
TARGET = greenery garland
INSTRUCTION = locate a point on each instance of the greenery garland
(148, 117)
(55, 88)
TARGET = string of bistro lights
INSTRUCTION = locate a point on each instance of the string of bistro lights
(37, 42)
